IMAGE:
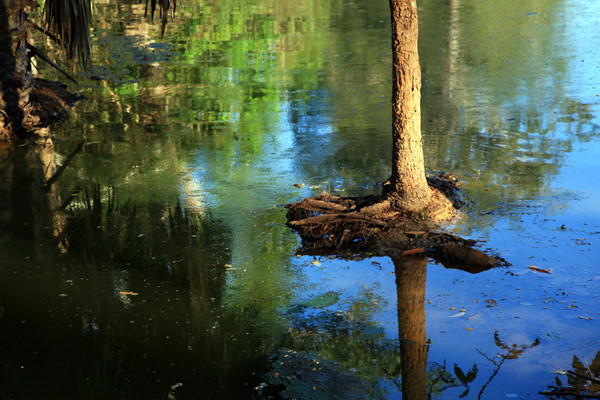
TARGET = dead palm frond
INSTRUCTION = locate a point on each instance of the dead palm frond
(69, 20)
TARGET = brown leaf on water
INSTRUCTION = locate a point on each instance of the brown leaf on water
(412, 252)
(536, 269)
(491, 302)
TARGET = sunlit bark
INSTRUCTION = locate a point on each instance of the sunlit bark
(408, 187)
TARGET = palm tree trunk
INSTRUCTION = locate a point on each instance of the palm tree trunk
(15, 72)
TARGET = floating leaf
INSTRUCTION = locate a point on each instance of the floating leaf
(321, 301)
(491, 302)
(460, 314)
(536, 269)
(324, 300)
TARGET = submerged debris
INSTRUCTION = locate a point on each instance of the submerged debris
(302, 375)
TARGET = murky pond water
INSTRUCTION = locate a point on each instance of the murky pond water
(158, 264)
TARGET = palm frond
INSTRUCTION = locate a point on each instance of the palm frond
(69, 20)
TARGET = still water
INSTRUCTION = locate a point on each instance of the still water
(158, 264)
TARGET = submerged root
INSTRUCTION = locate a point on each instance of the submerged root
(332, 224)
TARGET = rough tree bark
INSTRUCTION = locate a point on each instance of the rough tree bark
(27, 104)
(407, 189)
(15, 76)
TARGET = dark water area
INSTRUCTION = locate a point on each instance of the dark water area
(158, 264)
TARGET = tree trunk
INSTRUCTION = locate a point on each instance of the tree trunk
(408, 189)
(15, 72)
(411, 277)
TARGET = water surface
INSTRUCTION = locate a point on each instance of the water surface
(158, 265)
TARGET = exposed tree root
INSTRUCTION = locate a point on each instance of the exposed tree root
(51, 101)
(359, 225)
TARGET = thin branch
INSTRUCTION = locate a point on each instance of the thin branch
(44, 31)
(68, 201)
(565, 393)
(491, 378)
(591, 379)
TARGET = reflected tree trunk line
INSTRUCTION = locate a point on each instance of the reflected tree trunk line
(411, 277)
(53, 197)
(453, 45)
(31, 198)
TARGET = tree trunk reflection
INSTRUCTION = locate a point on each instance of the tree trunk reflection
(411, 276)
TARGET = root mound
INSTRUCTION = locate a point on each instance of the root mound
(371, 225)
(51, 101)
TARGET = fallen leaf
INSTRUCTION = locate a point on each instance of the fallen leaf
(316, 262)
(412, 252)
(129, 293)
(545, 271)
(460, 314)
(491, 302)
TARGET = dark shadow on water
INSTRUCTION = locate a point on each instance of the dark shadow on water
(111, 298)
